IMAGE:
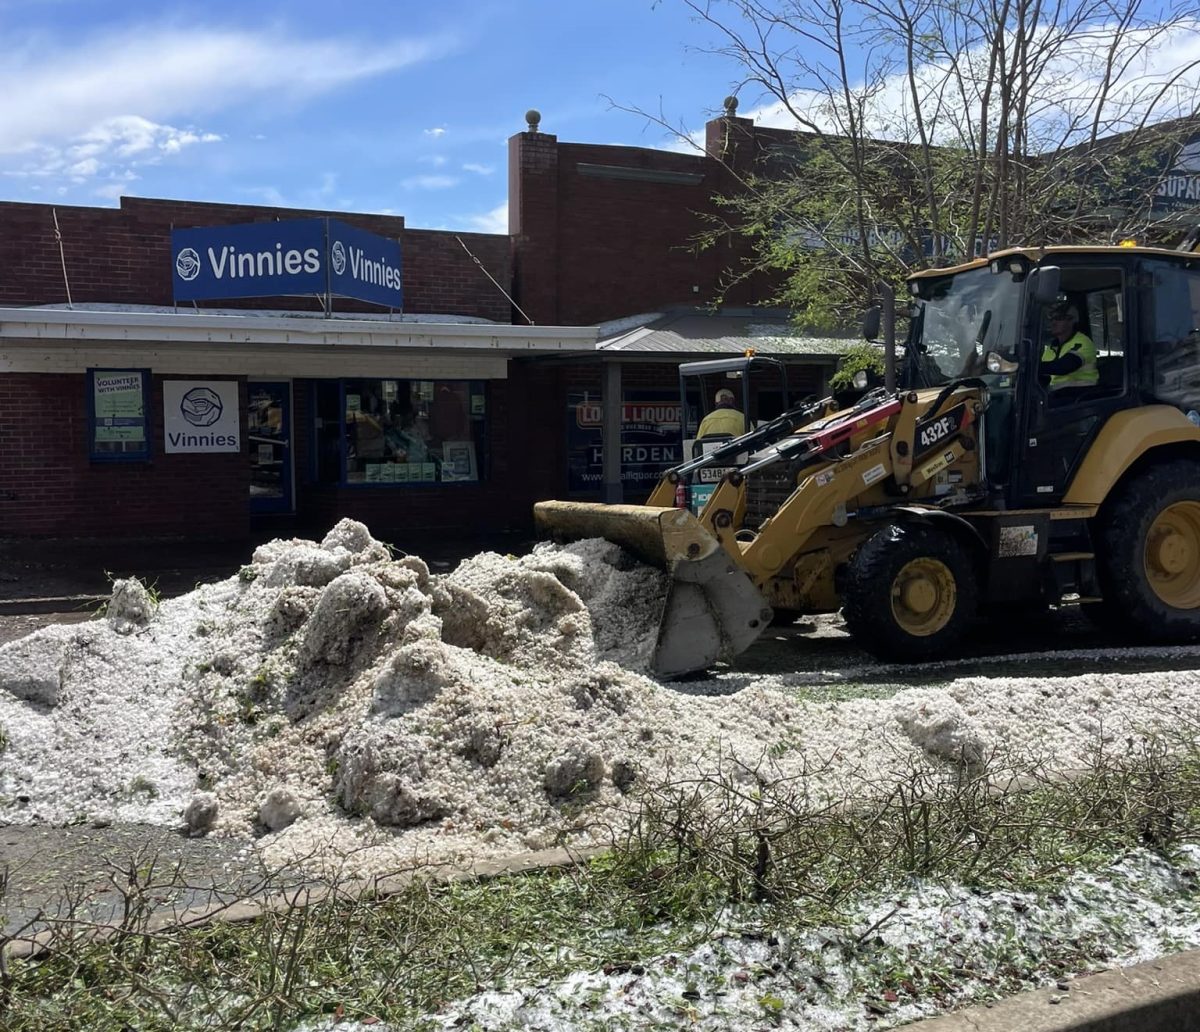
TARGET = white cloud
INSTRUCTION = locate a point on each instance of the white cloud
(429, 182)
(101, 106)
(84, 169)
(111, 149)
(479, 170)
(494, 221)
(128, 136)
(1066, 97)
(161, 73)
(435, 132)
(436, 160)
(116, 185)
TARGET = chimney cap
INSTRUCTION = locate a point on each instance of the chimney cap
(533, 117)
(731, 104)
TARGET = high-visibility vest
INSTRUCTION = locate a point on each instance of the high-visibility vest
(722, 421)
(1087, 375)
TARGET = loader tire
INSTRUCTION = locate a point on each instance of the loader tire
(1149, 554)
(910, 593)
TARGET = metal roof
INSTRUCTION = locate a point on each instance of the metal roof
(728, 332)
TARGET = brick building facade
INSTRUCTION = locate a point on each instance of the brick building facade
(596, 233)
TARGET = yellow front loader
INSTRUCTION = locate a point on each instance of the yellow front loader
(979, 481)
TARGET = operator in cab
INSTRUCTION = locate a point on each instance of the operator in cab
(724, 419)
(1069, 360)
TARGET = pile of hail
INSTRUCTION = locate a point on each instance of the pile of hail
(347, 711)
(340, 704)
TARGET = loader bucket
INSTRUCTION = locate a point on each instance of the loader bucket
(712, 608)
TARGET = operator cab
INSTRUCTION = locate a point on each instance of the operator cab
(1006, 323)
(758, 388)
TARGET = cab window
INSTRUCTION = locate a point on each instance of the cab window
(1098, 296)
(1175, 334)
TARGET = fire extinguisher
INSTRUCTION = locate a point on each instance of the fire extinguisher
(681, 495)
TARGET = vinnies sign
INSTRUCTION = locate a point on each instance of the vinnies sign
(270, 259)
(201, 416)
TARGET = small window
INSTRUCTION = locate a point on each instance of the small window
(1107, 322)
(118, 403)
(1176, 335)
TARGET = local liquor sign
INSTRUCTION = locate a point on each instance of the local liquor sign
(650, 439)
(271, 259)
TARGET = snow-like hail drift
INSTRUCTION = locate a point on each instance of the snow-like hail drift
(349, 709)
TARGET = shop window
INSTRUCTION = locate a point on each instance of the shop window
(1176, 335)
(118, 402)
(412, 431)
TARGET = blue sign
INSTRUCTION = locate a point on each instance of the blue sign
(650, 439)
(271, 259)
(364, 265)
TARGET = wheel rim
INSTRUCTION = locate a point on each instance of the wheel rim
(923, 596)
(1172, 555)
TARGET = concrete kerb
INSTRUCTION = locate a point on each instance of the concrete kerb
(1155, 996)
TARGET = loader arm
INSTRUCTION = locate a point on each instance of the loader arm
(720, 567)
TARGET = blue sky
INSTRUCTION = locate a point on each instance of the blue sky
(400, 107)
(397, 107)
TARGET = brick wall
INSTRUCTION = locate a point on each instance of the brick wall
(50, 488)
(602, 232)
(123, 255)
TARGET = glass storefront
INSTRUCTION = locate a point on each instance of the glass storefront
(381, 431)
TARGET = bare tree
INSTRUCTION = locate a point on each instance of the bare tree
(925, 131)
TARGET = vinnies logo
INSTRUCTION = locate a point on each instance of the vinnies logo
(187, 264)
(201, 406)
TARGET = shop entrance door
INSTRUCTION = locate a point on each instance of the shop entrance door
(270, 434)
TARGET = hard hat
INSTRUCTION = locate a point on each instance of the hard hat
(724, 396)
(1065, 311)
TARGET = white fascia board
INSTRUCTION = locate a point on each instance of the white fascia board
(75, 325)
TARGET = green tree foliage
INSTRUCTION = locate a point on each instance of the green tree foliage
(922, 132)
(856, 358)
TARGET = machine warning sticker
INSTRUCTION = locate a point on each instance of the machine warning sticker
(1017, 541)
(873, 474)
(938, 464)
(824, 477)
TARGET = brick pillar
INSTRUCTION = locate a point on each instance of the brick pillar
(533, 222)
(731, 141)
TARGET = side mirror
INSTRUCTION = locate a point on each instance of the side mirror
(1045, 284)
(870, 323)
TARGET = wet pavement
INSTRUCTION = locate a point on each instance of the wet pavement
(99, 876)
